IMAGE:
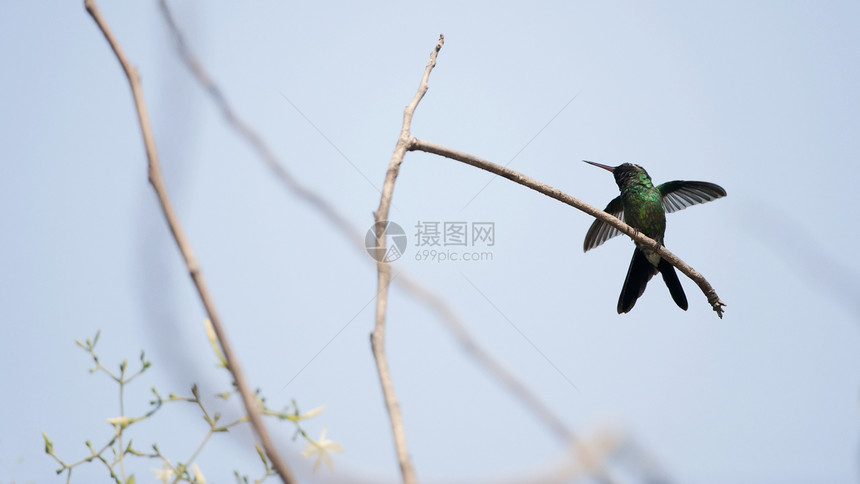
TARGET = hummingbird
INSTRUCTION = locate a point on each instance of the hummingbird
(643, 206)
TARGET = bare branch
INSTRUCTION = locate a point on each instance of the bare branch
(155, 178)
(496, 368)
(377, 337)
(516, 177)
(251, 136)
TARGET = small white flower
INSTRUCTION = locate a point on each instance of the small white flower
(321, 448)
(165, 474)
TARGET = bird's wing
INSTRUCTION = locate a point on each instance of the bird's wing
(600, 232)
(678, 194)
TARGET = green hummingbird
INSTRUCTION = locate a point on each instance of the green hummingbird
(643, 206)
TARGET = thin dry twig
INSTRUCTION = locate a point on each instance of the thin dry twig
(377, 337)
(251, 136)
(249, 399)
(492, 365)
(552, 192)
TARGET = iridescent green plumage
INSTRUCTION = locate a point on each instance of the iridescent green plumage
(643, 206)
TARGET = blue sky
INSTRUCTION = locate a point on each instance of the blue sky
(759, 97)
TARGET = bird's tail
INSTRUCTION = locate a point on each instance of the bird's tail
(670, 277)
(640, 272)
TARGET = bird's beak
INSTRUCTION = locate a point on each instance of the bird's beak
(605, 167)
